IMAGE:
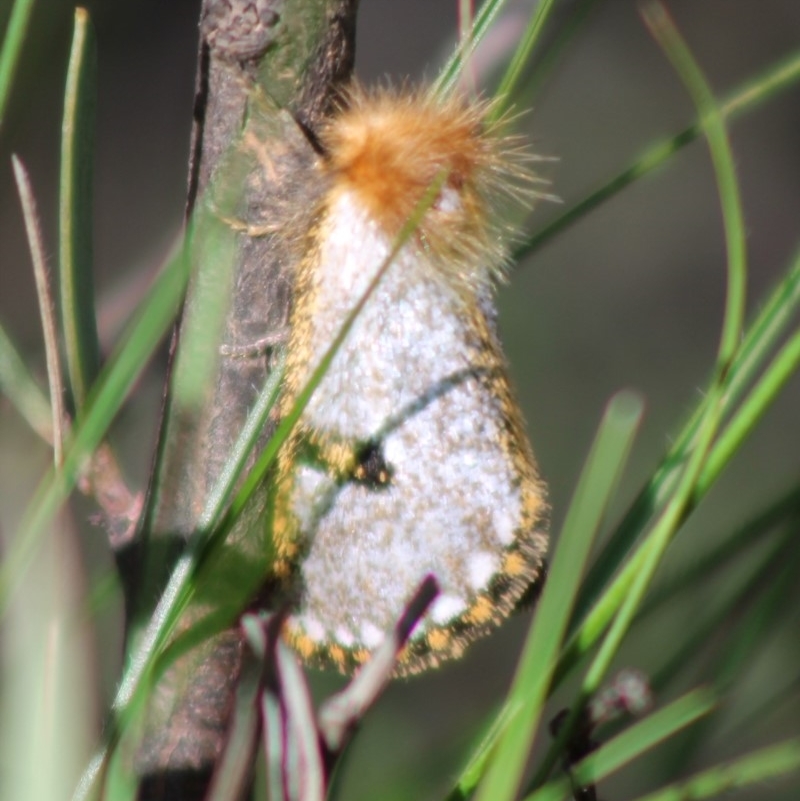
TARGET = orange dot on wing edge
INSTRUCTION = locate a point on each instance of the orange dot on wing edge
(337, 656)
(515, 564)
(303, 645)
(438, 640)
(482, 611)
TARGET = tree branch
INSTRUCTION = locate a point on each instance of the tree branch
(264, 66)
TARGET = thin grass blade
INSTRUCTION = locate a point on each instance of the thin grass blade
(750, 534)
(521, 58)
(679, 505)
(21, 388)
(81, 343)
(532, 681)
(628, 589)
(483, 21)
(12, 48)
(748, 96)
(761, 338)
(632, 743)
(267, 457)
(178, 591)
(754, 769)
(108, 394)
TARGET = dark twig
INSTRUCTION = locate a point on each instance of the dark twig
(262, 67)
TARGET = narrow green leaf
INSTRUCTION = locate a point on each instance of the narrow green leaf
(674, 513)
(712, 122)
(146, 331)
(632, 743)
(476, 766)
(257, 474)
(761, 338)
(755, 768)
(765, 332)
(746, 641)
(646, 734)
(75, 213)
(532, 681)
(235, 463)
(179, 589)
(629, 587)
(12, 48)
(785, 365)
(749, 95)
(706, 627)
(451, 71)
(20, 387)
(750, 534)
(177, 593)
(525, 94)
(521, 58)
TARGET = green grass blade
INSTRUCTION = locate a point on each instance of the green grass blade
(773, 702)
(532, 681)
(75, 213)
(712, 122)
(722, 158)
(479, 759)
(601, 612)
(751, 94)
(764, 333)
(710, 621)
(12, 48)
(751, 534)
(713, 407)
(20, 387)
(749, 637)
(646, 734)
(521, 58)
(783, 367)
(731, 659)
(525, 95)
(180, 587)
(235, 464)
(112, 387)
(621, 616)
(756, 768)
(267, 457)
(760, 339)
(632, 743)
(484, 19)
(178, 590)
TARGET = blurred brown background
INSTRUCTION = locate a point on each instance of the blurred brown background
(631, 297)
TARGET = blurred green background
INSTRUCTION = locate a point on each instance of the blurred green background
(630, 297)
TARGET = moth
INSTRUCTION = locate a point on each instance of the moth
(411, 456)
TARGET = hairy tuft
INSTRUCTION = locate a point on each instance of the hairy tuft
(387, 146)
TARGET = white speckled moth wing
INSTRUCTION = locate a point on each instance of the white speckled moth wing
(411, 456)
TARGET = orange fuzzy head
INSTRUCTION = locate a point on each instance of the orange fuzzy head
(387, 147)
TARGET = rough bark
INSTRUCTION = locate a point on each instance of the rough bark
(268, 73)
